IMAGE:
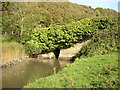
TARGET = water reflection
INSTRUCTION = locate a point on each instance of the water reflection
(21, 74)
(56, 66)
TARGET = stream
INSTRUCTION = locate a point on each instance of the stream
(19, 75)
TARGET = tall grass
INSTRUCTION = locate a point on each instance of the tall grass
(12, 51)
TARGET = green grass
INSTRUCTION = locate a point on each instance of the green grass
(100, 71)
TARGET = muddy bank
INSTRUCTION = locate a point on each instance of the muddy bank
(11, 62)
(12, 53)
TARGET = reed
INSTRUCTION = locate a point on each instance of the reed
(12, 51)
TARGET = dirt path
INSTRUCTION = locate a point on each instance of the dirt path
(72, 51)
(69, 52)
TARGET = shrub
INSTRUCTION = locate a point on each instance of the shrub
(56, 36)
(102, 42)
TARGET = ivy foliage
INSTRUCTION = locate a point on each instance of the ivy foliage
(56, 36)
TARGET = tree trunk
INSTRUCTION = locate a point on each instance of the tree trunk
(21, 32)
(56, 53)
(22, 27)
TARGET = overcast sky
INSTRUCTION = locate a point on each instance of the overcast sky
(112, 4)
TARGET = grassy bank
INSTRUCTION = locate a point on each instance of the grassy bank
(102, 42)
(99, 71)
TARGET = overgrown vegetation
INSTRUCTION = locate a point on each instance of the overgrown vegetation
(38, 24)
(102, 42)
(22, 17)
(19, 18)
(100, 71)
(12, 51)
(57, 36)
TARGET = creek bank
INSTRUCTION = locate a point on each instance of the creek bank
(12, 52)
(66, 53)
(100, 71)
(12, 62)
(27, 71)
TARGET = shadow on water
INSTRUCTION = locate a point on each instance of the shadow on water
(19, 75)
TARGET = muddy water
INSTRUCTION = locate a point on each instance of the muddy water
(19, 75)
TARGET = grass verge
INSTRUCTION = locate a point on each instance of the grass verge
(100, 71)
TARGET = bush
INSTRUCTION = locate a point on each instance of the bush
(56, 36)
(102, 42)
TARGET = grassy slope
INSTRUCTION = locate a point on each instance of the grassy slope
(97, 71)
